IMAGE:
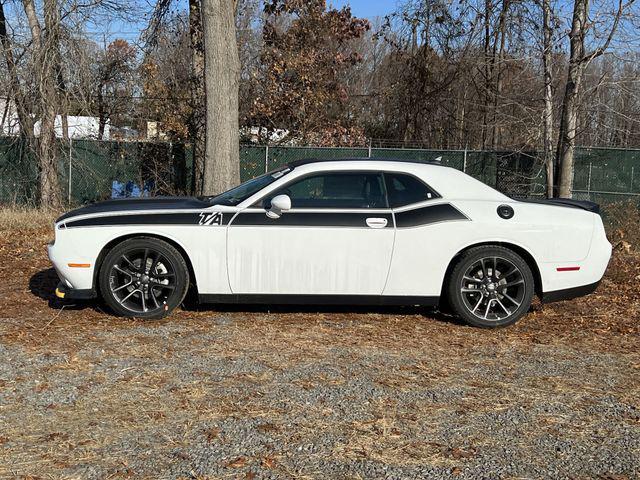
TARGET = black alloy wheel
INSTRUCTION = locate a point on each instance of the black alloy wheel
(491, 286)
(143, 277)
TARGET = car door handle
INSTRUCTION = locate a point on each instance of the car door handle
(374, 222)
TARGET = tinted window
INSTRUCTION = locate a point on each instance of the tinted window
(405, 189)
(243, 191)
(337, 190)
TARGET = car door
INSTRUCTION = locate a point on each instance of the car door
(337, 239)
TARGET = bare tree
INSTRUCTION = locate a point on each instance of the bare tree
(222, 70)
(165, 72)
(44, 46)
(547, 46)
(114, 82)
(197, 122)
(15, 92)
(579, 59)
(497, 64)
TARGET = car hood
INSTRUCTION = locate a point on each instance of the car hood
(138, 204)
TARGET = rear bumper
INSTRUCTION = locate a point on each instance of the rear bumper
(569, 293)
(570, 279)
(63, 291)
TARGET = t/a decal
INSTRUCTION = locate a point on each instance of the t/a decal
(208, 218)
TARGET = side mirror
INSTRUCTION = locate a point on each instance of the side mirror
(279, 205)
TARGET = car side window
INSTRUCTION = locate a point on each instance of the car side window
(405, 189)
(337, 190)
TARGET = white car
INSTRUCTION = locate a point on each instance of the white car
(355, 231)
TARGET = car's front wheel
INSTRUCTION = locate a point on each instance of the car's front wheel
(143, 277)
(490, 286)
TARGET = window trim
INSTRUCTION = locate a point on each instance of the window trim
(434, 192)
(260, 202)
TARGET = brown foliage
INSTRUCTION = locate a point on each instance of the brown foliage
(305, 56)
(166, 78)
(172, 113)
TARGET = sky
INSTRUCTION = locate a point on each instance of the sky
(367, 8)
(106, 31)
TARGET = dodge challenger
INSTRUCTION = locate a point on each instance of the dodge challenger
(354, 231)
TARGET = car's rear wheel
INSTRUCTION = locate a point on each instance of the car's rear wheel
(490, 286)
(143, 277)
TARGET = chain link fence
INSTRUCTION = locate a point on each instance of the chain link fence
(605, 175)
(518, 173)
(91, 170)
(18, 173)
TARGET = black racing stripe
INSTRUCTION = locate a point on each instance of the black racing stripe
(408, 218)
(426, 215)
(138, 204)
(189, 218)
(308, 219)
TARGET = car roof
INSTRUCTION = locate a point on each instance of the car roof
(307, 161)
(449, 182)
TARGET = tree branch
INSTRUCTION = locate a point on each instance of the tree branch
(603, 48)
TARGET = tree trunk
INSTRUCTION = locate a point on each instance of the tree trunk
(569, 118)
(197, 123)
(44, 63)
(102, 111)
(61, 87)
(548, 95)
(34, 24)
(487, 73)
(222, 67)
(47, 155)
(497, 66)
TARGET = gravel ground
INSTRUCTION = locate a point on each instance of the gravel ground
(290, 393)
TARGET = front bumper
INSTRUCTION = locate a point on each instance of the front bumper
(74, 278)
(68, 293)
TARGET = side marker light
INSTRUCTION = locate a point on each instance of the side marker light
(567, 269)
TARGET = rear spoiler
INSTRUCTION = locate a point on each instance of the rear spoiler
(566, 202)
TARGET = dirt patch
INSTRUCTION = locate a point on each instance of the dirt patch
(314, 393)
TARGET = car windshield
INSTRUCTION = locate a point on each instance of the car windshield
(243, 191)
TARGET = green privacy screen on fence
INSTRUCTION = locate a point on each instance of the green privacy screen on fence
(93, 170)
(606, 175)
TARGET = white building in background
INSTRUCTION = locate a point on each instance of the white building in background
(79, 127)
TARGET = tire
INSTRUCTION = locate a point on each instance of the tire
(150, 292)
(490, 286)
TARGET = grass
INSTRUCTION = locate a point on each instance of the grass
(13, 218)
